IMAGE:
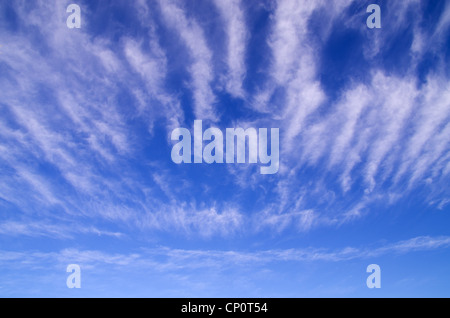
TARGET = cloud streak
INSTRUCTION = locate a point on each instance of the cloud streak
(201, 71)
(233, 15)
(169, 259)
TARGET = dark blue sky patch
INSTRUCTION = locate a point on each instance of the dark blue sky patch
(342, 61)
(429, 63)
(113, 21)
(395, 56)
(258, 55)
(9, 19)
(432, 12)
(232, 109)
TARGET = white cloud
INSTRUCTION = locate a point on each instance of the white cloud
(428, 128)
(47, 229)
(352, 106)
(188, 220)
(397, 102)
(173, 259)
(200, 69)
(233, 15)
(152, 68)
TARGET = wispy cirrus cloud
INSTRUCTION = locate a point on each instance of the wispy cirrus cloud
(50, 230)
(187, 219)
(201, 70)
(232, 13)
(172, 259)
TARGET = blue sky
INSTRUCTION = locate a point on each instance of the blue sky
(85, 150)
